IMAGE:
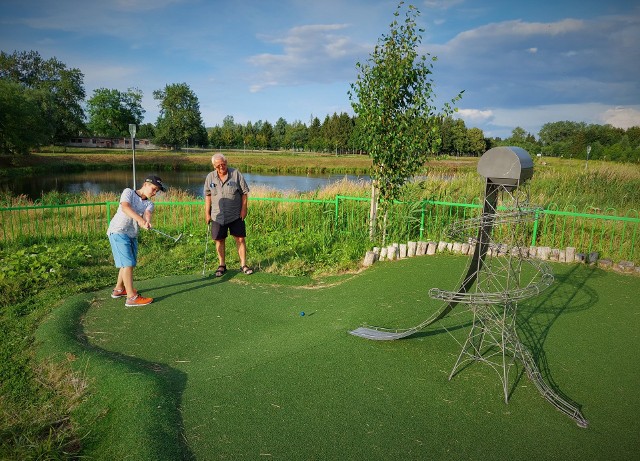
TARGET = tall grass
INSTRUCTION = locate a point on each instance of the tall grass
(601, 187)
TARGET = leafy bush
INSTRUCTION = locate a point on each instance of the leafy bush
(32, 269)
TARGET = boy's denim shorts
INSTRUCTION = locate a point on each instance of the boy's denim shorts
(124, 249)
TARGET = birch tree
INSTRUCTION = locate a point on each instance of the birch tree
(392, 98)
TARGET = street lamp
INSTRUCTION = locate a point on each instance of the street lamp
(132, 130)
(587, 161)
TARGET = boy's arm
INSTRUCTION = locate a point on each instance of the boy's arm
(142, 222)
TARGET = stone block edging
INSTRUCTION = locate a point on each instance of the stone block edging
(410, 249)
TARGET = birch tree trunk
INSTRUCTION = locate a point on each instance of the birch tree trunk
(384, 226)
(373, 211)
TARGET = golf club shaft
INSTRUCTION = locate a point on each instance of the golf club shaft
(166, 235)
(206, 246)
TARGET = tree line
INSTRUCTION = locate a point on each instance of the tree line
(43, 102)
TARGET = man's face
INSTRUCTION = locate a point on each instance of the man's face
(220, 166)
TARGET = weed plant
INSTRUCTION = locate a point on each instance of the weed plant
(36, 398)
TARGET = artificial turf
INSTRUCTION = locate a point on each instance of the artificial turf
(228, 368)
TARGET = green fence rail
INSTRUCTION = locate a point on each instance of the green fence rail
(613, 237)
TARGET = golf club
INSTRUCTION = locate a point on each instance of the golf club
(206, 246)
(175, 239)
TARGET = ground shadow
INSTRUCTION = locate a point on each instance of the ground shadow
(535, 318)
(167, 431)
(189, 285)
(568, 294)
(438, 330)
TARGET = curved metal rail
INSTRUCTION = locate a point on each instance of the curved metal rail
(493, 338)
(477, 261)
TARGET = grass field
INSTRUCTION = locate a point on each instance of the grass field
(229, 369)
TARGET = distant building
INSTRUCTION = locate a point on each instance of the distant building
(111, 143)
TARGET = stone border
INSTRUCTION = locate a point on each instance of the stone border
(567, 255)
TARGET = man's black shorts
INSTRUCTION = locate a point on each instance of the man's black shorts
(236, 228)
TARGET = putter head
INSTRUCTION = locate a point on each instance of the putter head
(178, 237)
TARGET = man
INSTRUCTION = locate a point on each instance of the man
(134, 212)
(225, 207)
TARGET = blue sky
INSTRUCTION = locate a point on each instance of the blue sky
(521, 63)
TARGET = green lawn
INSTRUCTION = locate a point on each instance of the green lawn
(229, 369)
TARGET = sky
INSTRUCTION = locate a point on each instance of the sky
(520, 63)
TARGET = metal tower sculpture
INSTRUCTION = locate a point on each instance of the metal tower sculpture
(500, 275)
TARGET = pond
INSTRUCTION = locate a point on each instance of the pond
(190, 181)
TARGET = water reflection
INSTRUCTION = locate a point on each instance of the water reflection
(96, 182)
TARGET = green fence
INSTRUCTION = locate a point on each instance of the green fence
(614, 237)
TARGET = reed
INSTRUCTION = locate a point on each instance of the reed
(602, 189)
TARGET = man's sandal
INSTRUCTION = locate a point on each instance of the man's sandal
(247, 270)
(221, 270)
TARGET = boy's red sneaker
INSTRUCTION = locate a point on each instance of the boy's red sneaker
(115, 294)
(138, 300)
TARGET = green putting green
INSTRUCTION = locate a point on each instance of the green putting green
(228, 368)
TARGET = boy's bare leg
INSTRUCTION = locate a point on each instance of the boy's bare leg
(125, 279)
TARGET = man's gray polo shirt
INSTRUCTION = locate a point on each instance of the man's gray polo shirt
(226, 198)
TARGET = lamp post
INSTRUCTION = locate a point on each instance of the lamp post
(587, 161)
(132, 130)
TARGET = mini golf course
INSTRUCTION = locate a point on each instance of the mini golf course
(228, 368)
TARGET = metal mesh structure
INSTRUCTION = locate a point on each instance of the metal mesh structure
(499, 276)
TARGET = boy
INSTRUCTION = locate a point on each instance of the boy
(135, 211)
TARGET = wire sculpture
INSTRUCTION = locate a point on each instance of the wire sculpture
(500, 274)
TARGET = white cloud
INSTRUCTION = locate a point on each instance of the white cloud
(622, 117)
(519, 63)
(320, 53)
(109, 75)
(518, 29)
(475, 115)
(500, 121)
